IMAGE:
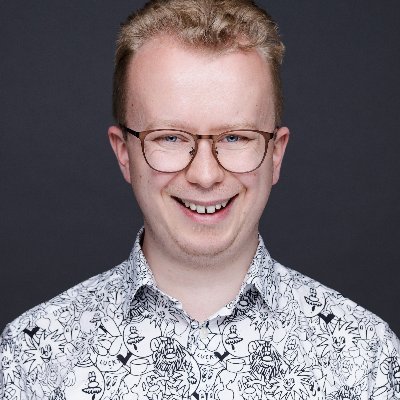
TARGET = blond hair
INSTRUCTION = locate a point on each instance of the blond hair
(213, 25)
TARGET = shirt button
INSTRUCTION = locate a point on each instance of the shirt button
(203, 332)
(194, 324)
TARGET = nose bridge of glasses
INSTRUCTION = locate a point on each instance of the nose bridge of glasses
(207, 137)
(204, 158)
(204, 168)
(202, 145)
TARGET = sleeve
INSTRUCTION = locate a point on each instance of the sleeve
(386, 382)
(12, 376)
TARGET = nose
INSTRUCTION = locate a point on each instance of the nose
(204, 169)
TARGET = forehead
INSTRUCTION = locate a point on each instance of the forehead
(167, 80)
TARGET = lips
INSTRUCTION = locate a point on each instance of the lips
(204, 209)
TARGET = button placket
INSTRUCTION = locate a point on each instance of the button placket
(193, 333)
(194, 324)
(203, 332)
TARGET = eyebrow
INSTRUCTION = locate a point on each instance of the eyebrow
(176, 124)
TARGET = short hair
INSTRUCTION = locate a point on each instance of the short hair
(209, 25)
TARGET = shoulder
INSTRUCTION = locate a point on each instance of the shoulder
(351, 345)
(94, 294)
(315, 299)
(333, 320)
(48, 340)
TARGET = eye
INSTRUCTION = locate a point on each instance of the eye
(232, 138)
(241, 137)
(166, 137)
(169, 138)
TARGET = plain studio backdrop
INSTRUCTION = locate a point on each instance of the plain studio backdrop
(67, 214)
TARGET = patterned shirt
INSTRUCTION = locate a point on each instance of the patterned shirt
(117, 336)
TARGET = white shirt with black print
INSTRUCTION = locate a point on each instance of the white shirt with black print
(117, 336)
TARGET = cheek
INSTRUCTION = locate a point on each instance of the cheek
(148, 185)
(141, 181)
(139, 171)
(258, 182)
(258, 186)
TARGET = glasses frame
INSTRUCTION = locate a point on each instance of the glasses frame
(141, 136)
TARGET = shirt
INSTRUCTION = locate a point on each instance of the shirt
(117, 336)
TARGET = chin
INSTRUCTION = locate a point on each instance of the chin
(205, 243)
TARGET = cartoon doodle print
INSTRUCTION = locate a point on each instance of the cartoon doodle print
(265, 361)
(175, 371)
(116, 336)
(292, 384)
(92, 387)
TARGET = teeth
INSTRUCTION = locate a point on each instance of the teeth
(200, 209)
(210, 209)
(204, 209)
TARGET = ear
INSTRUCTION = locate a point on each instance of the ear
(280, 143)
(119, 145)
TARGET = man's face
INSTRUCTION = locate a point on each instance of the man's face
(169, 86)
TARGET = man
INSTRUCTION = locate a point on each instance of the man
(199, 310)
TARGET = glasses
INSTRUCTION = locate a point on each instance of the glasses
(173, 150)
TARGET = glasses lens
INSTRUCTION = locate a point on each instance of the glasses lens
(168, 150)
(241, 151)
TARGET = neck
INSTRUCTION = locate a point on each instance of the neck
(203, 284)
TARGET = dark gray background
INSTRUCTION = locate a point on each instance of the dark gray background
(66, 213)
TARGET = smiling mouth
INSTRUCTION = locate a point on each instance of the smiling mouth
(201, 209)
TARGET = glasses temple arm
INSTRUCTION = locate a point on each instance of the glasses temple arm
(131, 131)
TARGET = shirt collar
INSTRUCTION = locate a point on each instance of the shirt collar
(137, 272)
(261, 274)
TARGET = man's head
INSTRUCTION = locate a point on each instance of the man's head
(213, 26)
(199, 75)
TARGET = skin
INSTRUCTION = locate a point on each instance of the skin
(201, 260)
